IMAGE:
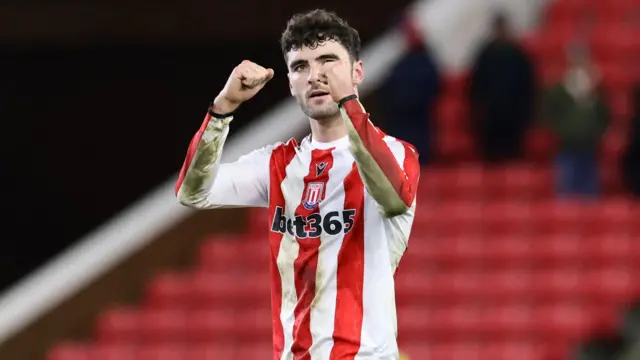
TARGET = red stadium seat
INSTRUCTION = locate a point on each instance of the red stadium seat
(223, 254)
(617, 11)
(208, 325)
(563, 321)
(115, 352)
(560, 284)
(246, 351)
(566, 11)
(467, 183)
(507, 287)
(613, 216)
(259, 222)
(69, 351)
(512, 350)
(158, 326)
(558, 216)
(162, 351)
(613, 285)
(434, 184)
(552, 251)
(209, 289)
(119, 325)
(508, 218)
(449, 219)
(510, 250)
(451, 114)
(507, 322)
(169, 290)
(609, 250)
(540, 144)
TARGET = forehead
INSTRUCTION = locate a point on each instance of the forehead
(324, 48)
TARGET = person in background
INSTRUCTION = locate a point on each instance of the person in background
(631, 157)
(502, 95)
(578, 115)
(408, 93)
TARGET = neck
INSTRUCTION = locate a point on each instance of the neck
(328, 130)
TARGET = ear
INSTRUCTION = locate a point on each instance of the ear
(358, 72)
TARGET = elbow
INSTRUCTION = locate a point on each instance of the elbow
(190, 200)
(395, 210)
(184, 201)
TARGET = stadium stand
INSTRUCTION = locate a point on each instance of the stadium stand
(497, 269)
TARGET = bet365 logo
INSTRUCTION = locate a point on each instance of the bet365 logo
(314, 225)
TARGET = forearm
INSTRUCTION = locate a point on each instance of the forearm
(199, 170)
(391, 185)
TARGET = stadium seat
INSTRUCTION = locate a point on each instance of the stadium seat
(246, 351)
(161, 326)
(215, 289)
(497, 267)
(69, 351)
(119, 326)
(223, 254)
(558, 249)
(169, 290)
(563, 321)
(161, 351)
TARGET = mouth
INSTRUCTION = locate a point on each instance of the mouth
(317, 93)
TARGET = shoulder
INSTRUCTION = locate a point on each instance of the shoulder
(405, 153)
(397, 145)
(274, 148)
(279, 151)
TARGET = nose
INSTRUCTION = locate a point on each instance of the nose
(316, 74)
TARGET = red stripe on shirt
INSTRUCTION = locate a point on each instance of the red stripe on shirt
(373, 140)
(350, 276)
(306, 264)
(280, 159)
(411, 166)
(193, 147)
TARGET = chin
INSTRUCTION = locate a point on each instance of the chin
(323, 114)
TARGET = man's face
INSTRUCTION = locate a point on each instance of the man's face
(308, 83)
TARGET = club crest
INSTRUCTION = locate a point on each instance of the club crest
(313, 195)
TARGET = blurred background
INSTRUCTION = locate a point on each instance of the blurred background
(526, 113)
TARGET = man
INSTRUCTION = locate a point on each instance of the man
(408, 93)
(577, 113)
(501, 93)
(341, 203)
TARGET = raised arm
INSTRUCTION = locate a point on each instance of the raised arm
(204, 183)
(388, 168)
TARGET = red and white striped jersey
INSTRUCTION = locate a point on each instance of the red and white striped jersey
(340, 217)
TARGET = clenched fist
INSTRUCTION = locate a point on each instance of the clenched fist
(244, 83)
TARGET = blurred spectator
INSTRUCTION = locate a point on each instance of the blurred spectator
(408, 93)
(501, 94)
(609, 347)
(631, 157)
(578, 115)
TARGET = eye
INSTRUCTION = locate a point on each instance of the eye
(299, 67)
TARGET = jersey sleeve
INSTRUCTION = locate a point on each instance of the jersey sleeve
(205, 183)
(389, 168)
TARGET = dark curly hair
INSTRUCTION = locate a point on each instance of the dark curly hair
(316, 27)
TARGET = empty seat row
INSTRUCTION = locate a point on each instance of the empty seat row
(205, 289)
(125, 325)
(606, 286)
(227, 351)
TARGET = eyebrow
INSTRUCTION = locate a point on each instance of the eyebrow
(330, 56)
